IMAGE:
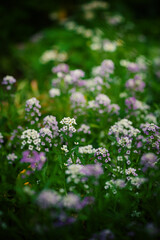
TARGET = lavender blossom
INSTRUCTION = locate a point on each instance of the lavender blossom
(46, 138)
(8, 81)
(63, 68)
(94, 170)
(35, 159)
(48, 198)
(148, 160)
(1, 140)
(51, 123)
(107, 67)
(77, 100)
(32, 110)
(136, 84)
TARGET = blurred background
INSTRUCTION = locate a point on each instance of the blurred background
(22, 19)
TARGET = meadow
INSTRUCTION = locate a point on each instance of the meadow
(79, 130)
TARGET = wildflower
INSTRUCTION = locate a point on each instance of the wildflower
(70, 161)
(85, 129)
(109, 46)
(148, 160)
(151, 136)
(68, 127)
(46, 138)
(136, 84)
(72, 201)
(94, 170)
(8, 81)
(62, 67)
(64, 148)
(31, 138)
(1, 140)
(51, 123)
(137, 181)
(131, 171)
(76, 74)
(77, 100)
(11, 157)
(35, 159)
(32, 110)
(124, 132)
(107, 66)
(102, 154)
(103, 99)
(74, 173)
(133, 104)
(48, 198)
(87, 149)
(54, 92)
(103, 235)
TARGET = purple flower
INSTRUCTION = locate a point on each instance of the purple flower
(136, 84)
(32, 110)
(133, 67)
(148, 160)
(48, 198)
(103, 99)
(1, 140)
(63, 68)
(8, 81)
(35, 159)
(103, 235)
(77, 99)
(51, 123)
(107, 66)
(94, 170)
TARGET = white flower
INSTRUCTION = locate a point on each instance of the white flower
(87, 149)
(53, 92)
(64, 148)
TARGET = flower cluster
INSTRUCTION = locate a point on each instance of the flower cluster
(102, 155)
(105, 234)
(87, 149)
(84, 129)
(54, 92)
(70, 161)
(151, 136)
(77, 100)
(124, 132)
(137, 181)
(130, 171)
(35, 159)
(94, 170)
(32, 110)
(51, 55)
(103, 99)
(51, 123)
(1, 140)
(61, 68)
(148, 160)
(114, 184)
(135, 84)
(133, 105)
(46, 138)
(68, 128)
(8, 81)
(65, 149)
(31, 138)
(11, 157)
(48, 198)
